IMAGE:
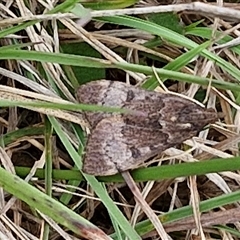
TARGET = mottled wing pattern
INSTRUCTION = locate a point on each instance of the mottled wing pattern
(120, 142)
(117, 94)
(114, 146)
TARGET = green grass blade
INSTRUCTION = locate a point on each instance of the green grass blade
(96, 186)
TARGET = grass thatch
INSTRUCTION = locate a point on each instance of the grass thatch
(47, 51)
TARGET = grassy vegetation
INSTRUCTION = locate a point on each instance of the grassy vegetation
(47, 52)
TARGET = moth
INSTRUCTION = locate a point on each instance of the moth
(119, 142)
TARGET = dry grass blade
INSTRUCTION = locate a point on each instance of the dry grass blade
(71, 117)
(207, 219)
(197, 7)
(144, 205)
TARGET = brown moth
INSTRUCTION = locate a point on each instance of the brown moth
(119, 142)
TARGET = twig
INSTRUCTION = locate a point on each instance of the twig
(197, 7)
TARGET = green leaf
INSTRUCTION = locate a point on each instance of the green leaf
(82, 74)
(107, 4)
(168, 20)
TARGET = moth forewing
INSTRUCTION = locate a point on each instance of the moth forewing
(119, 142)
